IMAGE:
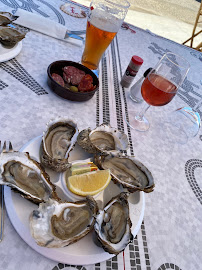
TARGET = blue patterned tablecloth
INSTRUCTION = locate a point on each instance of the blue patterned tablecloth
(170, 236)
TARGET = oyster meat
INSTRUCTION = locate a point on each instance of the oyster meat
(57, 224)
(26, 176)
(9, 36)
(6, 18)
(127, 171)
(103, 140)
(113, 225)
(57, 142)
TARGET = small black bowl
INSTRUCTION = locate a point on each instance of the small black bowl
(57, 67)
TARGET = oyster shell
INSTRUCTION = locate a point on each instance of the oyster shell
(103, 140)
(127, 171)
(113, 225)
(6, 18)
(57, 142)
(57, 224)
(9, 36)
(26, 176)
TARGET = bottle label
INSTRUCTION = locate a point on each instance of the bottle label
(131, 72)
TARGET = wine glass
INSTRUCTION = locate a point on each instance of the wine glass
(183, 124)
(160, 86)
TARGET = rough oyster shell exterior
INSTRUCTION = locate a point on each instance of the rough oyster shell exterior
(57, 224)
(127, 171)
(84, 141)
(103, 140)
(54, 161)
(26, 176)
(113, 225)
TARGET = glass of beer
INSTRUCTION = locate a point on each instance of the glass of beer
(104, 20)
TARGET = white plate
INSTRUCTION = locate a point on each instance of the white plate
(7, 54)
(85, 251)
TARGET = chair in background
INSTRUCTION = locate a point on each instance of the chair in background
(197, 22)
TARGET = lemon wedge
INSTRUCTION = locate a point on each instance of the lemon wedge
(89, 183)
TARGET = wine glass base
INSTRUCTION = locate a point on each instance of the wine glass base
(139, 124)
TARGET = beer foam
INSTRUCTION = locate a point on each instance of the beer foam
(105, 21)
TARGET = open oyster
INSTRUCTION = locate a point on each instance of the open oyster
(6, 18)
(127, 171)
(57, 224)
(9, 36)
(58, 140)
(103, 139)
(26, 176)
(113, 225)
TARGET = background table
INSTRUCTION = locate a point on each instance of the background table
(170, 236)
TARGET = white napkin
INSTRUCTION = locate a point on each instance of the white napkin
(43, 25)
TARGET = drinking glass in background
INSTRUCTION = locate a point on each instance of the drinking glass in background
(181, 125)
(160, 86)
(104, 20)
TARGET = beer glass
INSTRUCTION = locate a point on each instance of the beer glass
(104, 20)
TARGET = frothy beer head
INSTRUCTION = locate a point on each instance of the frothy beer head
(105, 21)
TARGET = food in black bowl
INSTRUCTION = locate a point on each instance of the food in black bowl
(72, 80)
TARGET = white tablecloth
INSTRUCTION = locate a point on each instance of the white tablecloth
(170, 236)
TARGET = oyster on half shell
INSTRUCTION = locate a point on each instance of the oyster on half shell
(6, 18)
(113, 225)
(57, 224)
(9, 36)
(127, 171)
(103, 140)
(26, 176)
(57, 142)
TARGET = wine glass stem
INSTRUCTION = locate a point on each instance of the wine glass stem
(142, 112)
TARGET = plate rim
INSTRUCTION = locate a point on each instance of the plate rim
(55, 253)
(11, 53)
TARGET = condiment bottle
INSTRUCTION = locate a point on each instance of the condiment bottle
(131, 71)
(135, 90)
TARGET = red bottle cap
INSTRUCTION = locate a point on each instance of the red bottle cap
(137, 60)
